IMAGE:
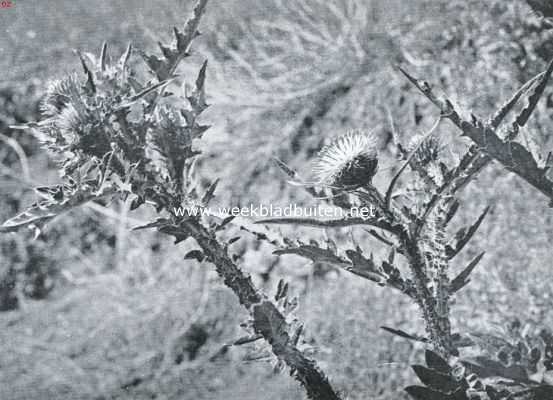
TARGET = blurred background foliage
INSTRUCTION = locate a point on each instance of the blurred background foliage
(93, 311)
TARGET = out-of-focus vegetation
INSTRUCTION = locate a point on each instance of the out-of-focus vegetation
(97, 312)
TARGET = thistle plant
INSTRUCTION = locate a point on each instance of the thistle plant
(119, 136)
(413, 223)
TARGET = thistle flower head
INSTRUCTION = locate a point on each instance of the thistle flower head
(59, 93)
(349, 160)
(428, 152)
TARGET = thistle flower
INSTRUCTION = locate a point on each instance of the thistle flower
(428, 152)
(58, 94)
(349, 160)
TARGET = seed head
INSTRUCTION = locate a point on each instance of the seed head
(350, 160)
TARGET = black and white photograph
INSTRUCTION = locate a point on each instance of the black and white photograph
(276, 200)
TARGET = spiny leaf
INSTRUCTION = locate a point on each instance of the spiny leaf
(314, 222)
(210, 192)
(297, 334)
(463, 236)
(261, 233)
(185, 38)
(103, 56)
(360, 261)
(500, 114)
(285, 168)
(167, 52)
(294, 176)
(511, 154)
(234, 239)
(313, 253)
(451, 211)
(378, 236)
(157, 66)
(247, 339)
(90, 77)
(535, 96)
(225, 222)
(123, 62)
(147, 90)
(197, 98)
(40, 213)
(269, 322)
(405, 335)
(282, 290)
(156, 224)
(200, 80)
(35, 215)
(462, 279)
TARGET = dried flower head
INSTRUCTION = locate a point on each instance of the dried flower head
(349, 160)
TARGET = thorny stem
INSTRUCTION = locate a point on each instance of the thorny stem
(437, 323)
(268, 320)
(428, 264)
